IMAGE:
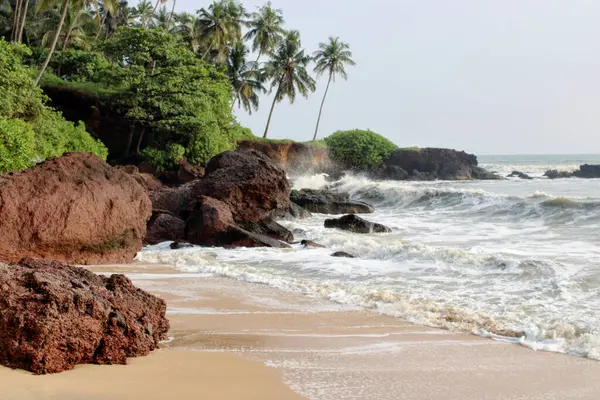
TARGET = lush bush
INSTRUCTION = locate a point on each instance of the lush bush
(359, 149)
(29, 130)
(17, 145)
(79, 65)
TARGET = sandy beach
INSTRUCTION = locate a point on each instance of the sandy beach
(237, 340)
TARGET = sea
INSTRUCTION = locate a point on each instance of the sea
(513, 260)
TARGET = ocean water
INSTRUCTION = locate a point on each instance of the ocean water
(514, 260)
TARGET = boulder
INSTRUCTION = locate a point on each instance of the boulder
(342, 254)
(328, 202)
(164, 226)
(356, 224)
(519, 174)
(248, 182)
(54, 316)
(310, 244)
(212, 224)
(74, 208)
(269, 228)
(189, 172)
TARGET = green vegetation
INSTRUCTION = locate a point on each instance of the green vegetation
(29, 130)
(171, 80)
(358, 149)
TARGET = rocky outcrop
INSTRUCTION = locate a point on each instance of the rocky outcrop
(188, 172)
(54, 316)
(309, 244)
(293, 157)
(431, 164)
(328, 202)
(232, 204)
(294, 211)
(74, 208)
(519, 174)
(356, 224)
(586, 171)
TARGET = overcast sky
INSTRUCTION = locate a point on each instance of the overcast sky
(484, 76)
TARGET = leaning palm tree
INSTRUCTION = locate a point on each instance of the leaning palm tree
(331, 58)
(287, 71)
(265, 29)
(46, 4)
(162, 19)
(220, 26)
(245, 79)
(186, 27)
(74, 27)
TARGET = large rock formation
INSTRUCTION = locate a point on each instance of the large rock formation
(54, 316)
(328, 202)
(431, 164)
(231, 205)
(74, 208)
(356, 224)
(587, 171)
(293, 157)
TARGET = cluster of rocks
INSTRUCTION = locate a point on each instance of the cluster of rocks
(587, 171)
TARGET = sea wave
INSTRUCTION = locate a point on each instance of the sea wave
(533, 170)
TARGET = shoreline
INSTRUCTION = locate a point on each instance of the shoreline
(259, 337)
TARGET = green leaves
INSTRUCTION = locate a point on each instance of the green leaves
(359, 149)
(17, 145)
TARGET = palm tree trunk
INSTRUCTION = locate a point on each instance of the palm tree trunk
(172, 12)
(129, 140)
(54, 41)
(139, 143)
(321, 109)
(20, 38)
(67, 37)
(101, 25)
(206, 53)
(16, 19)
(273, 107)
(154, 10)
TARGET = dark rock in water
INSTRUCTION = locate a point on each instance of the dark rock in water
(356, 224)
(74, 208)
(518, 174)
(484, 174)
(54, 316)
(310, 244)
(180, 244)
(328, 202)
(342, 254)
(164, 226)
(293, 212)
(238, 237)
(269, 228)
(431, 164)
(554, 174)
(588, 171)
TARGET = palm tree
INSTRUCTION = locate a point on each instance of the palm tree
(221, 26)
(287, 71)
(246, 81)
(46, 4)
(144, 12)
(331, 58)
(161, 19)
(73, 28)
(156, 6)
(187, 28)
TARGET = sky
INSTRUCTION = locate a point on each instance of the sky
(484, 76)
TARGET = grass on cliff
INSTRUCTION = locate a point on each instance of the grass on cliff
(317, 144)
(96, 89)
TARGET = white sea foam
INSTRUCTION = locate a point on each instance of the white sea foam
(516, 261)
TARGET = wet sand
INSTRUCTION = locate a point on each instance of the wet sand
(235, 340)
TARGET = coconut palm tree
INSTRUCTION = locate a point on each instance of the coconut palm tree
(265, 29)
(161, 19)
(74, 27)
(244, 77)
(331, 58)
(144, 12)
(47, 4)
(287, 71)
(220, 26)
(186, 26)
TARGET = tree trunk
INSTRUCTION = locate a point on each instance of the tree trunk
(139, 143)
(206, 53)
(272, 107)
(16, 19)
(23, 19)
(172, 12)
(101, 25)
(54, 41)
(67, 35)
(154, 10)
(321, 109)
(129, 140)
